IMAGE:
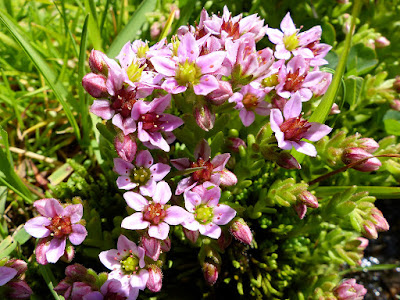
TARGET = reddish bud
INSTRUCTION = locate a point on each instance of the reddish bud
(352, 155)
(41, 250)
(334, 109)
(287, 161)
(79, 290)
(205, 118)
(349, 290)
(221, 94)
(17, 264)
(95, 85)
(234, 143)
(210, 272)
(368, 144)
(382, 42)
(380, 222)
(97, 62)
(152, 246)
(301, 210)
(69, 254)
(18, 290)
(126, 147)
(308, 199)
(364, 243)
(241, 231)
(76, 271)
(191, 235)
(166, 245)
(369, 230)
(154, 283)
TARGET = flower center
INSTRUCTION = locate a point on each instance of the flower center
(154, 213)
(130, 264)
(140, 175)
(188, 72)
(60, 226)
(270, 81)
(123, 101)
(250, 101)
(141, 51)
(231, 28)
(151, 122)
(295, 128)
(291, 42)
(134, 71)
(294, 81)
(204, 174)
(204, 214)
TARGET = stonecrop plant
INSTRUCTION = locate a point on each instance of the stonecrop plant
(224, 169)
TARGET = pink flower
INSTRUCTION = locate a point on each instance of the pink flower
(288, 41)
(127, 265)
(349, 290)
(189, 68)
(213, 171)
(289, 133)
(250, 100)
(152, 121)
(207, 213)
(58, 222)
(143, 174)
(154, 214)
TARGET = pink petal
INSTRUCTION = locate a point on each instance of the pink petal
(36, 227)
(127, 125)
(219, 161)
(159, 171)
(160, 231)
(172, 86)
(164, 65)
(74, 211)
(157, 140)
(275, 35)
(228, 178)
(135, 201)
(188, 48)
(122, 167)
(139, 108)
(176, 215)
(124, 245)
(144, 159)
(6, 274)
(276, 119)
(247, 117)
(110, 259)
(56, 250)
(191, 200)
(208, 83)
(139, 281)
(223, 214)
(170, 122)
(185, 184)
(53, 208)
(202, 150)
(102, 109)
(143, 135)
(180, 163)
(78, 234)
(125, 183)
(211, 62)
(287, 25)
(148, 189)
(281, 52)
(135, 222)
(317, 131)
(158, 105)
(211, 230)
(305, 148)
(293, 107)
(162, 193)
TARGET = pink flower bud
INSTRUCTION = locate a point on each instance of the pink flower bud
(76, 271)
(210, 272)
(287, 161)
(396, 84)
(155, 30)
(79, 290)
(349, 290)
(63, 288)
(126, 147)
(205, 118)
(364, 243)
(97, 62)
(221, 94)
(368, 144)
(191, 235)
(369, 230)
(154, 283)
(382, 42)
(166, 245)
(17, 264)
(334, 109)
(224, 240)
(69, 254)
(395, 104)
(308, 199)
(95, 85)
(300, 209)
(241, 231)
(380, 222)
(234, 143)
(152, 246)
(351, 155)
(18, 290)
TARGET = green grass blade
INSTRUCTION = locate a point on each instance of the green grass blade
(130, 30)
(94, 30)
(59, 90)
(380, 267)
(322, 111)
(380, 192)
(50, 280)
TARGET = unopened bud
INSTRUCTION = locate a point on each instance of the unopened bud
(95, 85)
(126, 147)
(349, 290)
(241, 231)
(334, 109)
(166, 245)
(41, 250)
(363, 243)
(69, 254)
(308, 199)
(287, 161)
(382, 42)
(396, 84)
(18, 290)
(154, 283)
(300, 209)
(369, 230)
(152, 247)
(80, 290)
(368, 144)
(380, 222)
(221, 94)
(352, 155)
(77, 272)
(97, 62)
(17, 264)
(205, 118)
(210, 272)
(395, 104)
(234, 143)
(191, 235)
